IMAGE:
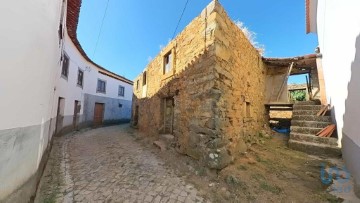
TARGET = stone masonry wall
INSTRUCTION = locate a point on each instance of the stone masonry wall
(188, 45)
(240, 79)
(216, 71)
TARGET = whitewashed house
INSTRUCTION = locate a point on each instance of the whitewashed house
(337, 25)
(48, 86)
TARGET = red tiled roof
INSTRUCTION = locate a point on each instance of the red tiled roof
(307, 8)
(73, 12)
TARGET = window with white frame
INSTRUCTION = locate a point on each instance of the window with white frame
(121, 92)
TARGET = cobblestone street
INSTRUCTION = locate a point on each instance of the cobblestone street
(108, 165)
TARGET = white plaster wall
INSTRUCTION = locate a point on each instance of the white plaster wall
(31, 83)
(69, 89)
(29, 56)
(338, 25)
(29, 59)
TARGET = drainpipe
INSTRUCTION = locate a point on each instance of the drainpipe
(320, 71)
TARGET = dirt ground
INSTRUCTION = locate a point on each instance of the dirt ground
(268, 172)
(120, 164)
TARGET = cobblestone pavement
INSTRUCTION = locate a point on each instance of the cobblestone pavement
(108, 165)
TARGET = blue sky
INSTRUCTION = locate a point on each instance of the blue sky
(133, 31)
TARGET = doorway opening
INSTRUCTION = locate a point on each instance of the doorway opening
(60, 115)
(168, 115)
(299, 87)
(99, 114)
(136, 115)
(76, 114)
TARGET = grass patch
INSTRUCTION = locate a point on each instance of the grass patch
(329, 197)
(258, 177)
(235, 183)
(201, 171)
(51, 198)
(270, 188)
(243, 168)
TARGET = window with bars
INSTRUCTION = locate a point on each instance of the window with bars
(65, 66)
(121, 92)
(80, 78)
(101, 86)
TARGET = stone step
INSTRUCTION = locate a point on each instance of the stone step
(308, 107)
(315, 149)
(305, 130)
(305, 112)
(310, 124)
(312, 102)
(311, 118)
(313, 139)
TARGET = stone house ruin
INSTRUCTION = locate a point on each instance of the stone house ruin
(208, 88)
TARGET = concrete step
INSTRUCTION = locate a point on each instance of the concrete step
(314, 139)
(315, 149)
(305, 112)
(312, 102)
(309, 124)
(305, 130)
(311, 118)
(308, 107)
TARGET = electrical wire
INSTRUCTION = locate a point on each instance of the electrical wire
(177, 26)
(101, 26)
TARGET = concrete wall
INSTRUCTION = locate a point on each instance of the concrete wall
(210, 87)
(116, 110)
(30, 56)
(338, 26)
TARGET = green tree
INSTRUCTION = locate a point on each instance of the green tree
(298, 95)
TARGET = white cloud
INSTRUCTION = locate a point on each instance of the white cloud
(149, 59)
(251, 36)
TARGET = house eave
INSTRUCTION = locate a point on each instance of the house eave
(311, 16)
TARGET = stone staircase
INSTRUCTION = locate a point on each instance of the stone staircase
(304, 126)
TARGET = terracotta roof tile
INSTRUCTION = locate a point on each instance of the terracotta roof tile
(307, 8)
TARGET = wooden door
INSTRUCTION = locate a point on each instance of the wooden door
(60, 115)
(136, 116)
(169, 115)
(76, 113)
(98, 114)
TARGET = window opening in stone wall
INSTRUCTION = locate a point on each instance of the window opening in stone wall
(144, 78)
(248, 109)
(167, 62)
